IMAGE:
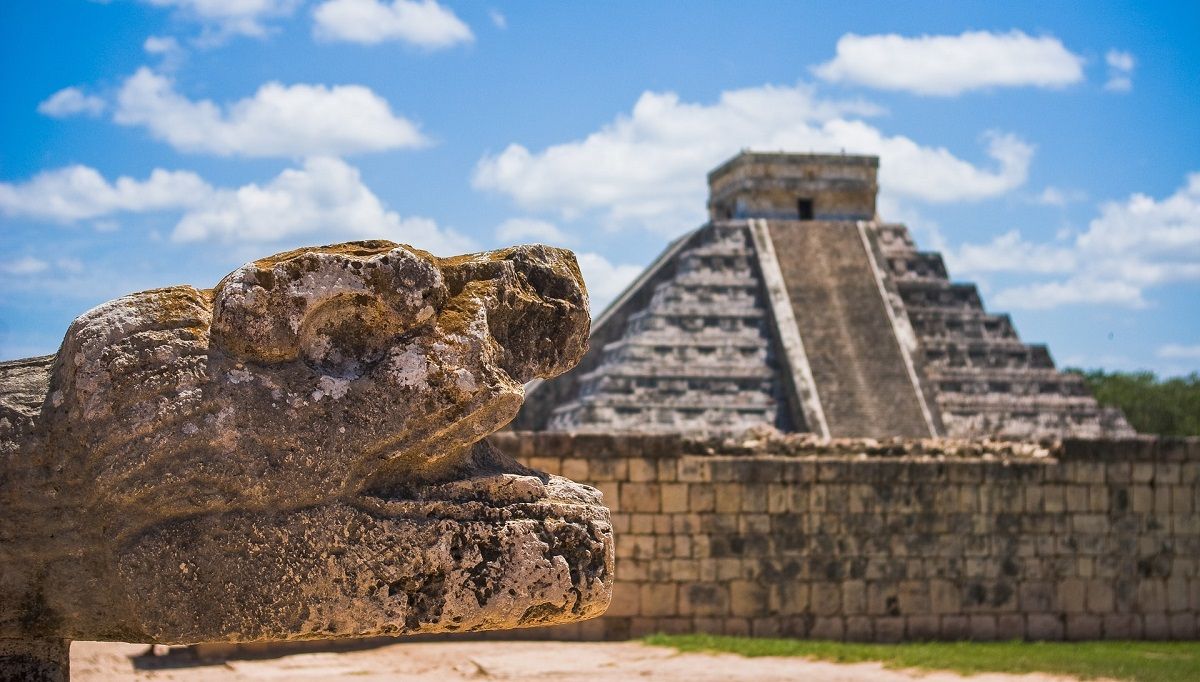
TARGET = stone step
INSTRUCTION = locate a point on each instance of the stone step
(856, 360)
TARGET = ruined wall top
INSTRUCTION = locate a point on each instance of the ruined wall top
(782, 186)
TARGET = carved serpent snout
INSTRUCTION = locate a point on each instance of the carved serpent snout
(340, 308)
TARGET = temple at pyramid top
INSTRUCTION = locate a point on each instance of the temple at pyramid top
(782, 186)
(795, 306)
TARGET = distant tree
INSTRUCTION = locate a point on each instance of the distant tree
(1169, 407)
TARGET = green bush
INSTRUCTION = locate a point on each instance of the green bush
(1168, 407)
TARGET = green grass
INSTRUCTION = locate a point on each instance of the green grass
(1142, 661)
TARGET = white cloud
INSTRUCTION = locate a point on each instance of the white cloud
(498, 18)
(514, 230)
(1179, 351)
(1119, 60)
(423, 23)
(1054, 196)
(1009, 252)
(1120, 71)
(279, 120)
(1129, 247)
(648, 166)
(73, 265)
(161, 45)
(947, 65)
(69, 102)
(223, 18)
(26, 265)
(603, 279)
(167, 49)
(77, 193)
(324, 198)
(1119, 84)
(1073, 291)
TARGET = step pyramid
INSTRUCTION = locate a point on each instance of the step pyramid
(795, 307)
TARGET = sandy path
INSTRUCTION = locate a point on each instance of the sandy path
(95, 661)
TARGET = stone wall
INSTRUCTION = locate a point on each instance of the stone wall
(923, 540)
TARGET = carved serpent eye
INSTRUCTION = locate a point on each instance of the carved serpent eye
(346, 333)
(337, 310)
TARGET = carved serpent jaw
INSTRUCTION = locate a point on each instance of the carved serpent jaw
(297, 452)
(500, 547)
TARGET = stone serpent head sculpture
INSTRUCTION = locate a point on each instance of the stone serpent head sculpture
(298, 453)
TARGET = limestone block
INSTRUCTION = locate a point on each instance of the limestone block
(674, 497)
(640, 497)
(643, 470)
(1077, 498)
(667, 470)
(956, 627)
(1177, 593)
(683, 546)
(694, 470)
(790, 597)
(704, 599)
(828, 628)
(1183, 499)
(854, 597)
(685, 570)
(737, 627)
(747, 598)
(882, 600)
(826, 598)
(859, 629)
(1036, 597)
(913, 596)
(298, 453)
(1010, 626)
(641, 524)
(1143, 472)
(1156, 626)
(625, 600)
(1121, 626)
(754, 498)
(702, 497)
(659, 599)
(1071, 595)
(921, 628)
(1044, 627)
(1082, 626)
(889, 629)
(1099, 596)
(1183, 626)
(1152, 596)
(728, 497)
(604, 469)
(663, 524)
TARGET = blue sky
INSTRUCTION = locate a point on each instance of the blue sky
(1049, 149)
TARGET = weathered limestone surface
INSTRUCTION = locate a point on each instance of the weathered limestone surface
(297, 453)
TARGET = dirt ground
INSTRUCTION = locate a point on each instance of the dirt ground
(97, 661)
